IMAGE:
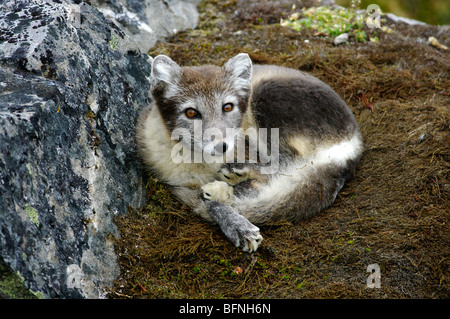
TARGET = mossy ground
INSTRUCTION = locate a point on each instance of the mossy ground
(394, 212)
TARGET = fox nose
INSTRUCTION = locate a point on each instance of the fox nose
(221, 148)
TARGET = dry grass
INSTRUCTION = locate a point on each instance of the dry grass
(394, 212)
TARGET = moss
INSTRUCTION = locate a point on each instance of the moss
(12, 285)
(394, 211)
(325, 20)
(32, 214)
(114, 43)
(29, 169)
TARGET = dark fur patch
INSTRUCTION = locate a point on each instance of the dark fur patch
(299, 106)
(167, 107)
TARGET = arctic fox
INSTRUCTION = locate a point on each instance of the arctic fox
(209, 130)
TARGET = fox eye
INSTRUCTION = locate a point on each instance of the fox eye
(191, 113)
(228, 107)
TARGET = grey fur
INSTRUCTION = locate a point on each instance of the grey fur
(319, 142)
(236, 227)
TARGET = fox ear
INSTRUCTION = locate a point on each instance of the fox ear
(165, 70)
(240, 69)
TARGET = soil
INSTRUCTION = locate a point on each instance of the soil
(393, 213)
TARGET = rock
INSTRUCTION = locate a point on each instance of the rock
(398, 19)
(70, 92)
(148, 21)
(341, 39)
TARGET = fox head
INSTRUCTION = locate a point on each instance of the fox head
(203, 105)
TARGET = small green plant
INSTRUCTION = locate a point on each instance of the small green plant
(330, 22)
(114, 43)
(303, 284)
(326, 21)
(360, 36)
(197, 269)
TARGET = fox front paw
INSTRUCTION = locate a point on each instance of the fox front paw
(238, 229)
(234, 175)
(252, 242)
(246, 236)
(218, 191)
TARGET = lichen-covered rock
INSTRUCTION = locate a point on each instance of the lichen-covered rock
(150, 20)
(70, 92)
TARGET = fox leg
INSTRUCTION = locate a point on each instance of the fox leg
(236, 227)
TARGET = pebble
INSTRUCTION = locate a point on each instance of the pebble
(434, 42)
(341, 39)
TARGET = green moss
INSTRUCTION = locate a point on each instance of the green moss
(38, 294)
(324, 20)
(30, 171)
(114, 42)
(12, 285)
(32, 214)
(330, 22)
(303, 284)
(360, 36)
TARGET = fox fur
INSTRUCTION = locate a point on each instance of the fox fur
(318, 143)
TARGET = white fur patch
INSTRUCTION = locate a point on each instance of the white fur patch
(300, 172)
(157, 149)
(219, 191)
(339, 153)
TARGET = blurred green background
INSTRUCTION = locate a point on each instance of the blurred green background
(435, 12)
